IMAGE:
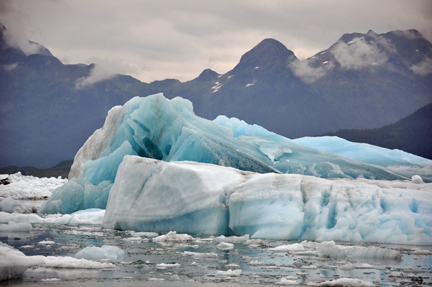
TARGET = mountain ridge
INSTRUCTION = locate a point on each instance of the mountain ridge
(416, 126)
(43, 113)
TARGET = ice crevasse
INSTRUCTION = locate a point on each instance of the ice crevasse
(191, 197)
(168, 130)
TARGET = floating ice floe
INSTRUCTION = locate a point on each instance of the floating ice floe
(16, 227)
(172, 236)
(112, 253)
(92, 216)
(347, 282)
(13, 263)
(155, 127)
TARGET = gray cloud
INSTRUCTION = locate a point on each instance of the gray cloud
(423, 68)
(358, 54)
(103, 69)
(178, 39)
(14, 20)
(309, 74)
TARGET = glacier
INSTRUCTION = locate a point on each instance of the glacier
(192, 197)
(168, 130)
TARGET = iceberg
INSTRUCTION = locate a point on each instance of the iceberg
(192, 197)
(168, 130)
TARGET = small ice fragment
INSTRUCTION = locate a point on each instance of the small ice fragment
(167, 265)
(225, 246)
(16, 227)
(290, 247)
(229, 273)
(197, 255)
(172, 236)
(347, 282)
(416, 179)
(46, 242)
(288, 281)
(112, 253)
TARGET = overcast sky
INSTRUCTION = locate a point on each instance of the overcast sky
(155, 40)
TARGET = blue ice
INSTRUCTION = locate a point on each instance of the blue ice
(155, 127)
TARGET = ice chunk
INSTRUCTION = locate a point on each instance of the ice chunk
(30, 218)
(191, 197)
(202, 256)
(331, 249)
(77, 194)
(167, 265)
(30, 187)
(289, 280)
(228, 273)
(16, 227)
(363, 152)
(92, 216)
(9, 204)
(14, 263)
(112, 253)
(347, 282)
(71, 262)
(233, 239)
(417, 179)
(155, 127)
(287, 248)
(172, 236)
(225, 246)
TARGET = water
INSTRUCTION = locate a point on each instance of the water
(257, 263)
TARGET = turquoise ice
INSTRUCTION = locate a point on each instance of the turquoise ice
(168, 130)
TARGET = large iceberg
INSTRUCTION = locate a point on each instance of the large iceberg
(191, 197)
(155, 127)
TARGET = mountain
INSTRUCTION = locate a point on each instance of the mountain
(61, 169)
(44, 117)
(411, 134)
(362, 81)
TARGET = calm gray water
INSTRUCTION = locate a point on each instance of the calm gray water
(259, 266)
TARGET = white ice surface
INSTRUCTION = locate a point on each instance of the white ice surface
(172, 236)
(29, 187)
(92, 216)
(152, 195)
(347, 282)
(16, 227)
(13, 263)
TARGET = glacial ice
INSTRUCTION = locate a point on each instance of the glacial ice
(13, 263)
(16, 227)
(191, 197)
(29, 187)
(9, 204)
(168, 130)
(363, 152)
(112, 253)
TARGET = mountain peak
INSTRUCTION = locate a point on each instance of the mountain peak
(208, 74)
(267, 52)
